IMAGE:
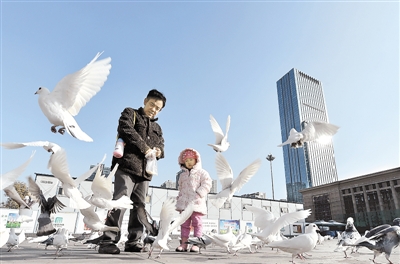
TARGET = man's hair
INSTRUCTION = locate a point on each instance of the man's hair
(157, 95)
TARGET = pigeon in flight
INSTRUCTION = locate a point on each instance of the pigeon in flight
(300, 244)
(71, 94)
(10, 177)
(167, 224)
(48, 206)
(102, 196)
(221, 139)
(225, 176)
(92, 220)
(313, 131)
(382, 239)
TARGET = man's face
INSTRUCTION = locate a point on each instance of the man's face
(152, 107)
(190, 162)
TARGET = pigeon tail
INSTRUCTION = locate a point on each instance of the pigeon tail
(74, 130)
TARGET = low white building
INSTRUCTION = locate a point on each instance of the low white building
(232, 213)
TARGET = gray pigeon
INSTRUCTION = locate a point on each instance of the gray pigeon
(48, 206)
(71, 94)
(201, 242)
(382, 239)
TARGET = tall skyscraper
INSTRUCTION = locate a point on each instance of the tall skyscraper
(301, 99)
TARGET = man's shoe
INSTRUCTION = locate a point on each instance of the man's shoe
(135, 248)
(109, 248)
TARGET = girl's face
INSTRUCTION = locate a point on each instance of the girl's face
(190, 162)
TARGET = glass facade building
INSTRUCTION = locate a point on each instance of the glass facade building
(301, 99)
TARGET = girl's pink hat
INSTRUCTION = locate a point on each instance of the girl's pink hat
(189, 154)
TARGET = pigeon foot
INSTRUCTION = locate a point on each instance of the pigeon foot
(53, 129)
(61, 130)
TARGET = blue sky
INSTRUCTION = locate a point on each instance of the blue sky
(221, 58)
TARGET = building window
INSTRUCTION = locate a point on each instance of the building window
(360, 203)
(322, 207)
(367, 187)
(268, 208)
(380, 185)
(348, 205)
(60, 191)
(374, 186)
(227, 205)
(284, 210)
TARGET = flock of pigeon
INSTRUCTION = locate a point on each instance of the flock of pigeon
(65, 101)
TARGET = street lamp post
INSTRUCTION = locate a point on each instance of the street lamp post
(270, 158)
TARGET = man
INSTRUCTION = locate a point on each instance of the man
(141, 134)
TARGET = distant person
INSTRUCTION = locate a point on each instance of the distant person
(194, 185)
(141, 134)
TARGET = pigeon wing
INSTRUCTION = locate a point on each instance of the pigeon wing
(315, 130)
(166, 215)
(245, 175)
(285, 220)
(76, 89)
(224, 171)
(59, 167)
(101, 185)
(219, 135)
(13, 194)
(262, 217)
(10, 177)
(228, 124)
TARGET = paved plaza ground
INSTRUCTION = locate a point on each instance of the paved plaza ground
(30, 253)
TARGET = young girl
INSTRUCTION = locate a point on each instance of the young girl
(193, 185)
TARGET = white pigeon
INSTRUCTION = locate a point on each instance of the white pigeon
(166, 227)
(71, 94)
(102, 195)
(272, 231)
(15, 240)
(59, 168)
(314, 131)
(10, 177)
(60, 240)
(300, 244)
(223, 240)
(262, 218)
(225, 176)
(92, 220)
(39, 239)
(221, 139)
(244, 241)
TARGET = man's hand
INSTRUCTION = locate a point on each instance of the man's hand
(158, 152)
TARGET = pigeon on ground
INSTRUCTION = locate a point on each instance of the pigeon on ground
(221, 140)
(48, 206)
(147, 240)
(225, 176)
(313, 131)
(71, 94)
(80, 238)
(10, 177)
(223, 240)
(102, 195)
(382, 239)
(167, 224)
(15, 240)
(272, 231)
(200, 242)
(244, 241)
(300, 244)
(348, 237)
(60, 240)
